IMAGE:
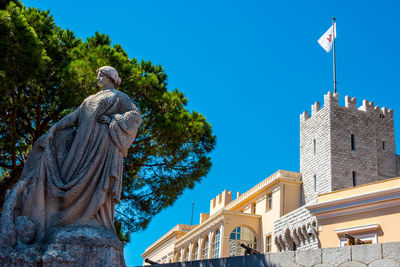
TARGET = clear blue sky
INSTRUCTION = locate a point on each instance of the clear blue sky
(251, 67)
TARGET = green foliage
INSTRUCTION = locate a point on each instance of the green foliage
(46, 72)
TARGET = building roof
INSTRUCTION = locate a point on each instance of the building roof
(177, 231)
(363, 198)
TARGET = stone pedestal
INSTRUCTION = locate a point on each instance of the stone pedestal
(69, 246)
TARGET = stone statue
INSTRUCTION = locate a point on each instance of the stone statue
(64, 201)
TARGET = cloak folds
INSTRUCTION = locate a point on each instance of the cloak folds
(76, 178)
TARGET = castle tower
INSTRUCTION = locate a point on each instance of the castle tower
(342, 147)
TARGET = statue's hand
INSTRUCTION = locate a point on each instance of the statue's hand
(104, 119)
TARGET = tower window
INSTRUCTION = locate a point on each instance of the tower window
(315, 182)
(268, 243)
(383, 145)
(315, 146)
(353, 142)
(354, 178)
(253, 208)
(269, 201)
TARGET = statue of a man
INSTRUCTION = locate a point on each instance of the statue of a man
(73, 174)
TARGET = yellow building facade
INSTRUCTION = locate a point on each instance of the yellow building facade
(369, 212)
(248, 219)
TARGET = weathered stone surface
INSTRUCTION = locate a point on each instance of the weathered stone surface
(352, 264)
(284, 258)
(384, 263)
(391, 251)
(336, 256)
(331, 257)
(70, 246)
(366, 253)
(309, 257)
(72, 177)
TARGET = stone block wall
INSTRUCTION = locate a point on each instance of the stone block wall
(374, 156)
(290, 231)
(373, 255)
(315, 150)
(327, 159)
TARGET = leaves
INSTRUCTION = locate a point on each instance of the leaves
(46, 72)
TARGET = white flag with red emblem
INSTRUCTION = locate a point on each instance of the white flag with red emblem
(326, 40)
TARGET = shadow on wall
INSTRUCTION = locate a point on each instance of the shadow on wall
(239, 261)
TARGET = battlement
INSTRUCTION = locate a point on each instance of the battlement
(220, 201)
(332, 99)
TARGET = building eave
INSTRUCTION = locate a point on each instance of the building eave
(356, 204)
(175, 231)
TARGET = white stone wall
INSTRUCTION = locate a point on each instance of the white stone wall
(292, 228)
(370, 126)
(374, 255)
(333, 161)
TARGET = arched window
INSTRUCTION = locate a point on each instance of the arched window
(204, 251)
(186, 255)
(178, 257)
(241, 235)
(216, 244)
(196, 251)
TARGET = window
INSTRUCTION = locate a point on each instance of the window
(383, 145)
(268, 243)
(205, 248)
(370, 238)
(164, 259)
(186, 255)
(353, 142)
(196, 252)
(315, 146)
(241, 235)
(216, 244)
(269, 201)
(354, 178)
(315, 182)
(253, 208)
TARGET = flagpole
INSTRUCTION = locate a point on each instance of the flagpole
(334, 60)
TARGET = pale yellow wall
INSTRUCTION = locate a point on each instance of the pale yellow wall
(360, 190)
(234, 222)
(388, 219)
(281, 204)
(268, 217)
(163, 250)
(292, 197)
(262, 226)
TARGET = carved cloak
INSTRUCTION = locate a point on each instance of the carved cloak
(77, 177)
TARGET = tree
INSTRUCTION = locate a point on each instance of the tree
(46, 72)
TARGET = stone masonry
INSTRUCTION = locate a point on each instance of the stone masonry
(340, 147)
(374, 255)
(326, 151)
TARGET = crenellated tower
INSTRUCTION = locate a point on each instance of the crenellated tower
(345, 146)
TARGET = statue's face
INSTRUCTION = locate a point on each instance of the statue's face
(102, 79)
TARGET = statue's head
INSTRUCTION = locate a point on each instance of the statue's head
(107, 74)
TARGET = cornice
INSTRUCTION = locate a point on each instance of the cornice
(175, 231)
(356, 204)
(279, 176)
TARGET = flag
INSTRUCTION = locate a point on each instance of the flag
(327, 38)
